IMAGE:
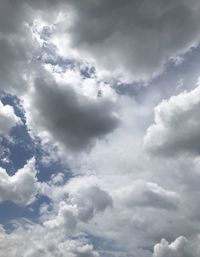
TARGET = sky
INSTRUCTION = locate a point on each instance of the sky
(99, 128)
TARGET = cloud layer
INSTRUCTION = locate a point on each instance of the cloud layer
(111, 168)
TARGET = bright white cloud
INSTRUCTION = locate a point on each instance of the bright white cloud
(39, 242)
(21, 188)
(181, 247)
(176, 127)
(8, 119)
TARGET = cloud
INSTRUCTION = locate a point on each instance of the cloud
(145, 194)
(21, 188)
(81, 206)
(130, 39)
(8, 119)
(41, 243)
(16, 46)
(176, 127)
(85, 251)
(66, 218)
(181, 247)
(90, 201)
(68, 117)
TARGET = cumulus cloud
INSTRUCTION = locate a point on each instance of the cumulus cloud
(181, 247)
(81, 206)
(21, 188)
(176, 127)
(66, 218)
(8, 119)
(41, 243)
(68, 117)
(130, 40)
(90, 201)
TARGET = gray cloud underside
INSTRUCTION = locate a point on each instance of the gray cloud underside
(72, 119)
(181, 247)
(135, 37)
(131, 38)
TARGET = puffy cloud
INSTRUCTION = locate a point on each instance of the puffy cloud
(176, 127)
(81, 206)
(39, 242)
(181, 247)
(70, 118)
(85, 251)
(21, 188)
(132, 39)
(90, 201)
(66, 218)
(8, 119)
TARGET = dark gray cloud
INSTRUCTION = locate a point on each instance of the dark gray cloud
(135, 38)
(72, 119)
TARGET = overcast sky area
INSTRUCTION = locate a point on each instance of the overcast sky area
(99, 128)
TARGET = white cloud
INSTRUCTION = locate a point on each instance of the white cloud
(81, 205)
(21, 188)
(181, 247)
(176, 127)
(8, 119)
(85, 251)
